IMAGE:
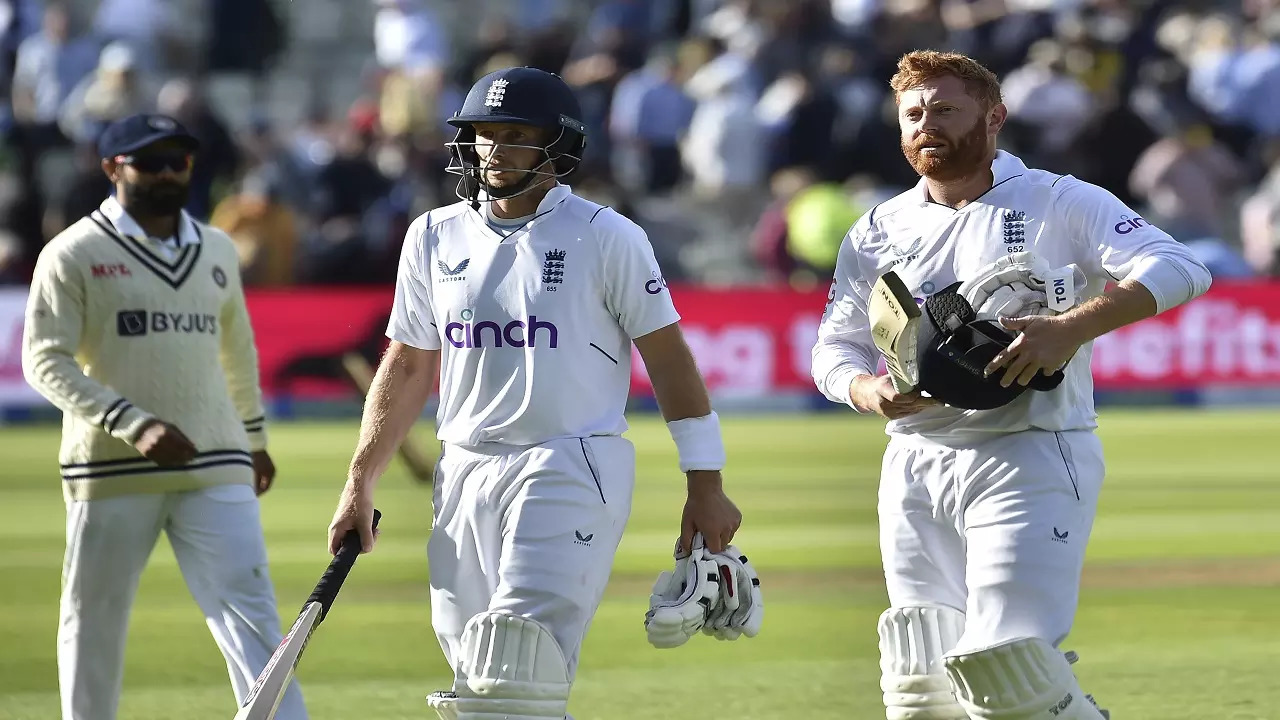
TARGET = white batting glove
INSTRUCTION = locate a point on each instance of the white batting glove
(683, 598)
(741, 607)
(1022, 284)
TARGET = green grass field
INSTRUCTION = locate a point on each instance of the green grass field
(1178, 621)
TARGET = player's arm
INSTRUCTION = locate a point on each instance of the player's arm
(844, 357)
(51, 335)
(1152, 272)
(637, 296)
(400, 389)
(238, 354)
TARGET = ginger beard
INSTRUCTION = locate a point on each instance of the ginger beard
(954, 159)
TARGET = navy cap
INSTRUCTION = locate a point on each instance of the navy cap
(135, 132)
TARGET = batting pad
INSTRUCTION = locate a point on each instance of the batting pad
(913, 643)
(511, 668)
(1023, 679)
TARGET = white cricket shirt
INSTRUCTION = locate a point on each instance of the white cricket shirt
(534, 326)
(930, 246)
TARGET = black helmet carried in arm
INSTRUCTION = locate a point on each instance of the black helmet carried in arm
(521, 96)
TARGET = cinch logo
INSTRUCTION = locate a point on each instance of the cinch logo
(659, 283)
(136, 323)
(486, 333)
(1129, 224)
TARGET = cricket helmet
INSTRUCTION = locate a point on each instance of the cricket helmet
(521, 96)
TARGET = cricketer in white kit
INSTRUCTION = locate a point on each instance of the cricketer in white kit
(528, 299)
(137, 330)
(985, 514)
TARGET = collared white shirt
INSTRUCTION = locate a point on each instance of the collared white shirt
(168, 247)
(930, 246)
(534, 324)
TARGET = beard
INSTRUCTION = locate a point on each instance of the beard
(960, 157)
(157, 199)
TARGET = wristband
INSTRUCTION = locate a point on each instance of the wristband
(698, 442)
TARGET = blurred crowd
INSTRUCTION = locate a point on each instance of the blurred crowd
(745, 136)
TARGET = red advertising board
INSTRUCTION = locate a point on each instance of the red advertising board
(748, 342)
(751, 342)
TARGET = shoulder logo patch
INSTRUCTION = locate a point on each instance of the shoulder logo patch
(219, 276)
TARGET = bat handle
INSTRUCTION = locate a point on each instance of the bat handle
(326, 591)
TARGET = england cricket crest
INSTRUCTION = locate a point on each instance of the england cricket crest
(1015, 230)
(497, 91)
(553, 269)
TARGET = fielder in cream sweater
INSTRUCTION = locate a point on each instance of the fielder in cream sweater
(124, 332)
(137, 330)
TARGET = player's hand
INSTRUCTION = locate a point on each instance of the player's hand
(708, 511)
(164, 444)
(1044, 344)
(877, 394)
(264, 472)
(355, 510)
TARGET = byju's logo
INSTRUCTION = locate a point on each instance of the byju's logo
(136, 323)
(486, 333)
(131, 323)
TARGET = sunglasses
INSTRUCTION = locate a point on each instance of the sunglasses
(156, 162)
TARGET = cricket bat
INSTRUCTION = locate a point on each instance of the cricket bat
(895, 325)
(361, 373)
(268, 690)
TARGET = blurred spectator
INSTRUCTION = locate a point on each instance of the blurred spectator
(151, 29)
(85, 190)
(245, 36)
(263, 229)
(343, 248)
(707, 119)
(650, 112)
(1047, 105)
(1260, 226)
(218, 158)
(1186, 179)
(818, 218)
(48, 67)
(724, 150)
(117, 88)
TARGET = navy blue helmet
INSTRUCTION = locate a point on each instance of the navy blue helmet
(521, 96)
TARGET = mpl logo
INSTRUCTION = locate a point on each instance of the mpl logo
(486, 333)
(1129, 224)
(110, 270)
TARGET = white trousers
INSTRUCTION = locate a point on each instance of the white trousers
(996, 529)
(532, 531)
(216, 535)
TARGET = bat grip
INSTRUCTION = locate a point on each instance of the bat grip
(326, 591)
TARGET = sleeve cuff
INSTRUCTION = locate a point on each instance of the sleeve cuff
(125, 422)
(838, 383)
(256, 429)
(1166, 279)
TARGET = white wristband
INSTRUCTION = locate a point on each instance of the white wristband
(698, 442)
